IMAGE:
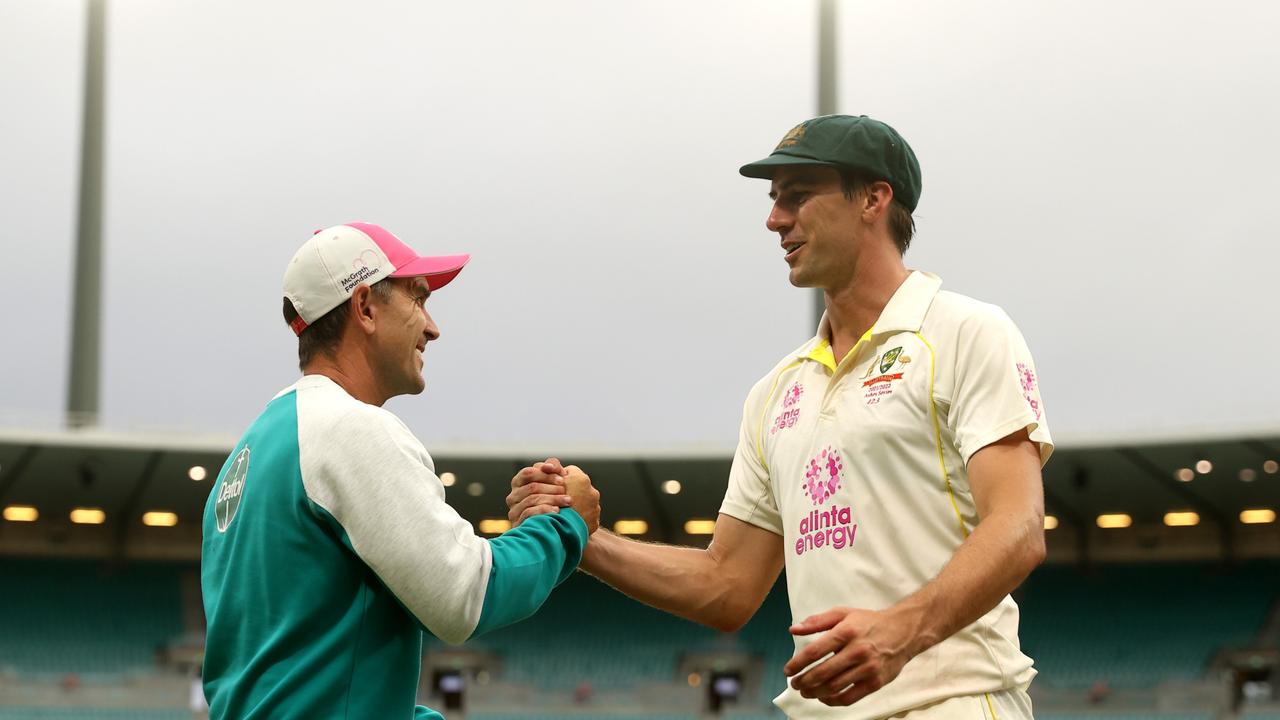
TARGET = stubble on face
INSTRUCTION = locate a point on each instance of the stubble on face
(812, 215)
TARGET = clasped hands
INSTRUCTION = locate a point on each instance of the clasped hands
(860, 651)
(546, 487)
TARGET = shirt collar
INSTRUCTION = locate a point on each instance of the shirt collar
(904, 313)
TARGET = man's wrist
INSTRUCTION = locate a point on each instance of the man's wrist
(919, 620)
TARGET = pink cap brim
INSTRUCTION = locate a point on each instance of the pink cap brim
(438, 270)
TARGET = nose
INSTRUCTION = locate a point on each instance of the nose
(431, 331)
(780, 220)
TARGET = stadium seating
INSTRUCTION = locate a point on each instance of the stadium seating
(1138, 625)
(60, 616)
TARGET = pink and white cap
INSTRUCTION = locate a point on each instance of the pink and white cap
(329, 267)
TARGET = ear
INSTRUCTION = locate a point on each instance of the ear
(876, 201)
(364, 311)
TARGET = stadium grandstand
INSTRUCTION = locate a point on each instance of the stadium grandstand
(1160, 598)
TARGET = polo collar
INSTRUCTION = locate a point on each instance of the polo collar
(904, 313)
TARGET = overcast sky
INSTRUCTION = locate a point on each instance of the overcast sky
(1106, 171)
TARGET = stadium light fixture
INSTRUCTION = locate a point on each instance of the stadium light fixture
(700, 527)
(494, 526)
(1050, 522)
(1114, 520)
(88, 516)
(448, 479)
(1257, 516)
(475, 489)
(1204, 467)
(197, 473)
(1248, 474)
(671, 487)
(159, 518)
(1184, 474)
(21, 513)
(1270, 467)
(1184, 518)
(631, 527)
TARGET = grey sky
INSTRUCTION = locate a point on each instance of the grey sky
(1104, 172)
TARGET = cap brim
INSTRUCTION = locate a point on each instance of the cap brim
(764, 169)
(438, 269)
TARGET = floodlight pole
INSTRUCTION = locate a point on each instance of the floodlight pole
(826, 96)
(86, 305)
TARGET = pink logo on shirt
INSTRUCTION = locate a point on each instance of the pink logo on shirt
(790, 413)
(1027, 377)
(834, 527)
(823, 476)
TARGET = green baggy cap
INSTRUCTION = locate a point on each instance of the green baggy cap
(853, 143)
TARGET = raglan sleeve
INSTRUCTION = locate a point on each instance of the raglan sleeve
(378, 484)
(996, 388)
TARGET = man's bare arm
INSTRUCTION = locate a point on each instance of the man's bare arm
(721, 586)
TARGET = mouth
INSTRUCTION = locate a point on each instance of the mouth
(791, 250)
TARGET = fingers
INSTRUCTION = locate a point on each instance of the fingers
(535, 510)
(545, 473)
(536, 505)
(812, 653)
(860, 689)
(834, 674)
(821, 621)
(551, 466)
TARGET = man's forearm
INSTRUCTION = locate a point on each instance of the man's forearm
(996, 557)
(683, 581)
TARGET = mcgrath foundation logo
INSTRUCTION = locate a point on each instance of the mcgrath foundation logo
(231, 490)
(366, 265)
(1027, 377)
(822, 477)
(831, 528)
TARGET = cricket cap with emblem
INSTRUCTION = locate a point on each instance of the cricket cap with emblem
(327, 269)
(852, 143)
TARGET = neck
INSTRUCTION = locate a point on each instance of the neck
(352, 374)
(853, 308)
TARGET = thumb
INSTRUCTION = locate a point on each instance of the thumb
(818, 623)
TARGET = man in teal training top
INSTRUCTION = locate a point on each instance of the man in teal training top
(328, 546)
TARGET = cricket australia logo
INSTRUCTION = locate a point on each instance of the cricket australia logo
(823, 476)
(231, 490)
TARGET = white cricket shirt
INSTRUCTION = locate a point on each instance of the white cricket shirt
(860, 466)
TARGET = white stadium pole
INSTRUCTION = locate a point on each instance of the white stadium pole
(826, 93)
(86, 317)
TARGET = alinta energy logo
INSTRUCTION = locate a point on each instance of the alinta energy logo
(231, 490)
(365, 266)
(790, 413)
(832, 527)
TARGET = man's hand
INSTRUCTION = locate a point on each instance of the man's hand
(586, 499)
(870, 649)
(538, 489)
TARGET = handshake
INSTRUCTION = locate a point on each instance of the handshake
(546, 487)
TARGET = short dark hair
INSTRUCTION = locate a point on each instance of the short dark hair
(902, 227)
(322, 336)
